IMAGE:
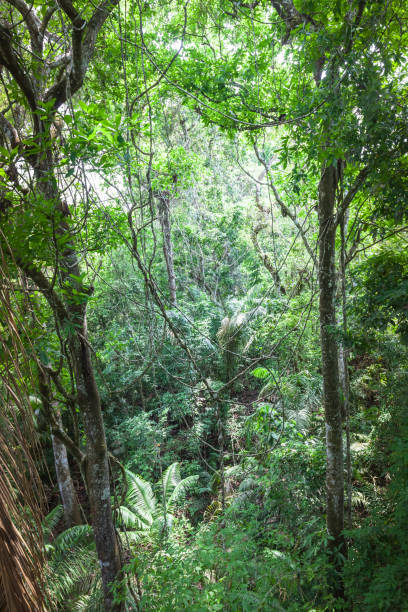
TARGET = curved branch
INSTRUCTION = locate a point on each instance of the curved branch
(83, 45)
(9, 59)
(286, 212)
(32, 22)
(45, 287)
(352, 192)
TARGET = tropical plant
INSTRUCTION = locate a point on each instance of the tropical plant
(231, 335)
(144, 511)
(72, 579)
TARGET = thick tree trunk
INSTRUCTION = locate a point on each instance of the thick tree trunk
(97, 465)
(330, 365)
(164, 213)
(70, 312)
(72, 513)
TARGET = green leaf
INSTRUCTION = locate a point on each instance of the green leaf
(260, 373)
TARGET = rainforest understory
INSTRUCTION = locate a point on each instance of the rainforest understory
(203, 305)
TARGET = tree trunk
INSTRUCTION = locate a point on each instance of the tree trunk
(97, 464)
(164, 213)
(343, 363)
(77, 44)
(72, 513)
(330, 368)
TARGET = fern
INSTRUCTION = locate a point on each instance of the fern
(72, 566)
(51, 521)
(142, 511)
(181, 489)
(171, 479)
(74, 536)
(131, 520)
(140, 498)
(231, 335)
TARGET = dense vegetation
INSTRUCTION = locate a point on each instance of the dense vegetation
(203, 305)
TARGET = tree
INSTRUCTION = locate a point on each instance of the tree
(39, 82)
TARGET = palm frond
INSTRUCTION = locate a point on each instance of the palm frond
(359, 500)
(73, 566)
(21, 492)
(231, 327)
(161, 523)
(131, 537)
(301, 417)
(233, 471)
(81, 604)
(91, 602)
(74, 536)
(18, 589)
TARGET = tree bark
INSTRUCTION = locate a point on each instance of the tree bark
(330, 367)
(97, 465)
(164, 214)
(72, 513)
(343, 363)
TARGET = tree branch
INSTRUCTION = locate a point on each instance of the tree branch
(83, 45)
(56, 429)
(46, 288)
(46, 19)
(286, 212)
(9, 131)
(32, 22)
(9, 59)
(348, 198)
(290, 15)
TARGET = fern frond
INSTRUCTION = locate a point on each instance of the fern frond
(131, 537)
(71, 573)
(301, 417)
(249, 484)
(181, 490)
(74, 536)
(358, 499)
(233, 471)
(50, 521)
(140, 497)
(91, 602)
(81, 604)
(159, 524)
(73, 564)
(171, 478)
(131, 520)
